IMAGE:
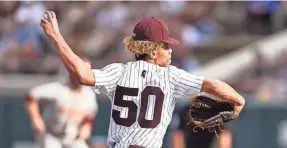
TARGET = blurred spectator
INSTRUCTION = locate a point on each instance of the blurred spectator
(200, 34)
(96, 29)
(260, 16)
(30, 12)
(266, 83)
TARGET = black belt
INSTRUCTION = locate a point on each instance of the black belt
(135, 146)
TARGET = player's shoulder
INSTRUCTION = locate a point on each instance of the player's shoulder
(173, 69)
(116, 66)
(178, 70)
(129, 64)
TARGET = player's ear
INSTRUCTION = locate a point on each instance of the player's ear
(152, 54)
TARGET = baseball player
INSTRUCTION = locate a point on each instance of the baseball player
(69, 110)
(143, 92)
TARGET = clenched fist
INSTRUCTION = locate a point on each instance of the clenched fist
(50, 24)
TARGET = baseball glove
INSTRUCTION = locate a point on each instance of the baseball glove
(208, 111)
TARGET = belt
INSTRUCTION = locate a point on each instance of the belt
(135, 146)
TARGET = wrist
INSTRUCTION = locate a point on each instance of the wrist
(56, 37)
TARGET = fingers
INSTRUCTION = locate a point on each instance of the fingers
(50, 15)
(53, 14)
(44, 21)
(42, 24)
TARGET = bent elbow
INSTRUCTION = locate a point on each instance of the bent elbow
(222, 90)
(209, 86)
(242, 102)
(82, 81)
(86, 78)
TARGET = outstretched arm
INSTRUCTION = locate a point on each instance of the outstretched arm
(222, 90)
(73, 63)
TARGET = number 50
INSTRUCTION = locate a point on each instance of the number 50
(133, 108)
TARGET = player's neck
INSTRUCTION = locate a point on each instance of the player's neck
(150, 60)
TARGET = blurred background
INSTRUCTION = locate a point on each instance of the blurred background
(243, 43)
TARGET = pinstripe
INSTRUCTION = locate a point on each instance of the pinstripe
(153, 83)
(131, 85)
(167, 84)
(124, 83)
(191, 79)
(144, 84)
(164, 107)
(113, 69)
(189, 86)
(148, 76)
(107, 67)
(115, 127)
(134, 133)
(128, 84)
(112, 125)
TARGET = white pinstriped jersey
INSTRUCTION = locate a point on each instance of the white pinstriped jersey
(143, 97)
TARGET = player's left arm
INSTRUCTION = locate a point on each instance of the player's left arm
(224, 91)
(189, 84)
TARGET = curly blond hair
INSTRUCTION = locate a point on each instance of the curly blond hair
(140, 47)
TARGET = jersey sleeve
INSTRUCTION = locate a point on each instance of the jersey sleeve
(46, 91)
(106, 78)
(186, 84)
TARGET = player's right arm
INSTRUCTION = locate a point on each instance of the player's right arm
(108, 77)
(73, 63)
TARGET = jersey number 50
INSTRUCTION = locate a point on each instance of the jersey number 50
(132, 107)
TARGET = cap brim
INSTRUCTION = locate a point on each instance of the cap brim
(171, 41)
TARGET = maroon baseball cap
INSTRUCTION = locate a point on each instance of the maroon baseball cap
(153, 29)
